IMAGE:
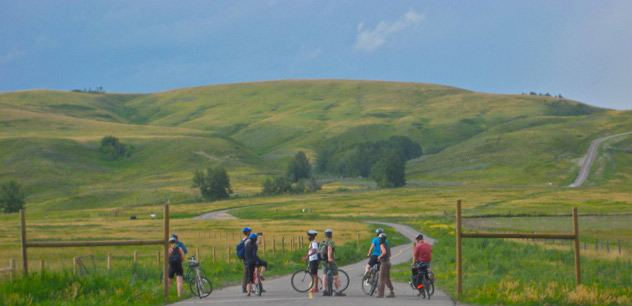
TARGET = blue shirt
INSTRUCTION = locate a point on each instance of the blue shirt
(181, 245)
(377, 251)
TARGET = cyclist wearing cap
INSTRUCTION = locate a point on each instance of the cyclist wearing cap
(374, 251)
(253, 261)
(246, 231)
(422, 256)
(176, 257)
(179, 243)
(312, 253)
(330, 263)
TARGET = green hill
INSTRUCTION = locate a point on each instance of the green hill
(49, 139)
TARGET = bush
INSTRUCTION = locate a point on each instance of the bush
(299, 167)
(11, 197)
(214, 185)
(389, 171)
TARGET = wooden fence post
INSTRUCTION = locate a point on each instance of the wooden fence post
(228, 253)
(273, 246)
(165, 267)
(12, 267)
(25, 262)
(41, 266)
(135, 256)
(358, 241)
(282, 244)
(158, 259)
(459, 271)
(109, 261)
(291, 244)
(577, 258)
(607, 246)
(74, 265)
(619, 242)
(197, 254)
(263, 242)
(214, 254)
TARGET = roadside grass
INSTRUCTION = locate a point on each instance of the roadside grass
(500, 271)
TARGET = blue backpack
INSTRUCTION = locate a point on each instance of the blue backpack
(241, 249)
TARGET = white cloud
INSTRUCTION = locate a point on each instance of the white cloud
(371, 39)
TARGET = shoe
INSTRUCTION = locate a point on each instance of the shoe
(340, 294)
(263, 278)
(326, 293)
(244, 291)
(391, 295)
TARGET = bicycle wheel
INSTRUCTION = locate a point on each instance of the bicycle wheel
(258, 291)
(191, 274)
(431, 282)
(366, 284)
(200, 287)
(329, 286)
(374, 281)
(344, 280)
(302, 281)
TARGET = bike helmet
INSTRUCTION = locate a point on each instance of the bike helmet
(312, 233)
(246, 230)
(175, 236)
(253, 236)
(328, 231)
(382, 236)
(419, 237)
(172, 239)
(379, 230)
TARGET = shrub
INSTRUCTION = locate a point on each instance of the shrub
(112, 149)
(214, 184)
(11, 197)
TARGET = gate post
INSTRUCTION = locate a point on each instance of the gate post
(165, 268)
(577, 258)
(459, 267)
(25, 262)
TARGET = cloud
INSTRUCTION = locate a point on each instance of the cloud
(370, 39)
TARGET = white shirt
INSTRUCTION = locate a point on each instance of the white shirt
(313, 248)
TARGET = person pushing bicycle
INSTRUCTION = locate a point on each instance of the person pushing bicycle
(253, 261)
(312, 254)
(330, 263)
(422, 256)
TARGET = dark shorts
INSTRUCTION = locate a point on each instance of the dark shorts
(313, 267)
(250, 278)
(372, 260)
(175, 269)
(330, 266)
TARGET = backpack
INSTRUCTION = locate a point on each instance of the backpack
(174, 257)
(322, 251)
(241, 249)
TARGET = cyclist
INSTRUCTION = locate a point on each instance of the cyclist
(253, 261)
(374, 251)
(423, 257)
(176, 257)
(246, 231)
(179, 243)
(312, 253)
(385, 269)
(330, 263)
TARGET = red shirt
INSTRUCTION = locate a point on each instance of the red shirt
(423, 252)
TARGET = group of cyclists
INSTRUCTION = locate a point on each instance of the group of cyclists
(247, 250)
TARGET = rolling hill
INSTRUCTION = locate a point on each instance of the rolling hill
(49, 139)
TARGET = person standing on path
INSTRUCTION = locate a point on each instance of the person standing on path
(242, 244)
(385, 269)
(312, 254)
(176, 257)
(330, 263)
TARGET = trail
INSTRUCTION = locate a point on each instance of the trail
(280, 292)
(589, 159)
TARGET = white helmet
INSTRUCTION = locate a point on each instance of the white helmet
(312, 233)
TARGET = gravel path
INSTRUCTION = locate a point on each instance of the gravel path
(589, 159)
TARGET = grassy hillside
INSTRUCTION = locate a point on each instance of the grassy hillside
(49, 139)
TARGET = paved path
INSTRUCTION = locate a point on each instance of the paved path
(280, 292)
(589, 159)
(216, 215)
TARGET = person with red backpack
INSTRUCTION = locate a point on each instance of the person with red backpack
(176, 257)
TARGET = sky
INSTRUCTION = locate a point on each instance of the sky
(580, 49)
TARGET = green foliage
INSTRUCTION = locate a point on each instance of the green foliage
(112, 149)
(298, 168)
(389, 171)
(356, 160)
(281, 185)
(214, 184)
(11, 197)
(566, 108)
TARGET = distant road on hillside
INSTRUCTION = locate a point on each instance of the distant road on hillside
(589, 159)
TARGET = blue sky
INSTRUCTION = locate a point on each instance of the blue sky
(580, 49)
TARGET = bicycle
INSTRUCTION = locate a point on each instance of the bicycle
(190, 272)
(303, 280)
(257, 287)
(344, 281)
(424, 285)
(370, 279)
(200, 285)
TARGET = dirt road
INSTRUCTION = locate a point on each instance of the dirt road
(589, 159)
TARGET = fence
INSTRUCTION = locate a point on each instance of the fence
(165, 242)
(459, 235)
(9, 270)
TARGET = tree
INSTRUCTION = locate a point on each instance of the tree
(11, 197)
(112, 149)
(276, 185)
(389, 171)
(214, 184)
(299, 167)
